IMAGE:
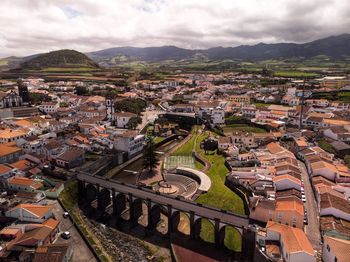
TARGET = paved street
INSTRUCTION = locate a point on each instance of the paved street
(312, 229)
(81, 252)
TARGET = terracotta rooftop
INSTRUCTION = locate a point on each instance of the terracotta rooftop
(294, 239)
(275, 148)
(11, 133)
(321, 180)
(330, 200)
(23, 181)
(289, 205)
(4, 169)
(323, 164)
(7, 150)
(339, 247)
(52, 253)
(289, 177)
(33, 237)
(71, 154)
(22, 165)
(288, 193)
(51, 223)
(37, 210)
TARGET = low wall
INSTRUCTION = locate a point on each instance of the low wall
(80, 232)
(198, 158)
(166, 140)
(138, 156)
(235, 188)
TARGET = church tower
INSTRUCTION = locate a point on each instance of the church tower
(23, 91)
(109, 107)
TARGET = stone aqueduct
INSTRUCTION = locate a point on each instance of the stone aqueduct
(108, 192)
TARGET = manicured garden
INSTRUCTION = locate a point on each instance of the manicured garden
(219, 195)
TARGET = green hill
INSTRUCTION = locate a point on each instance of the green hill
(59, 59)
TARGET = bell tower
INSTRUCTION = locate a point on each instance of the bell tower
(109, 107)
(23, 91)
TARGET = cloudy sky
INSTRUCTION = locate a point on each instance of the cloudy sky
(33, 26)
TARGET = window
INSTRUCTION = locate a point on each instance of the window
(328, 248)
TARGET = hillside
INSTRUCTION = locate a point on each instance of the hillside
(59, 59)
(334, 47)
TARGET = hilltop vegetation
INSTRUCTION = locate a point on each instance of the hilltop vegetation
(59, 59)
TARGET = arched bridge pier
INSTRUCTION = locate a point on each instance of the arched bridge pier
(121, 196)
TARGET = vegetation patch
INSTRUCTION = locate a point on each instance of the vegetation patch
(69, 198)
(326, 146)
(294, 74)
(242, 128)
(219, 195)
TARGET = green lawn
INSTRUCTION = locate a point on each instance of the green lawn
(187, 148)
(158, 139)
(243, 128)
(219, 195)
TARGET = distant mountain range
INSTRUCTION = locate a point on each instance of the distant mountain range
(334, 47)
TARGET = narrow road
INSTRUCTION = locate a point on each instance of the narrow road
(312, 230)
(81, 252)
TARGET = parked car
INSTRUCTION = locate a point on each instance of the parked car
(66, 235)
(303, 198)
(65, 214)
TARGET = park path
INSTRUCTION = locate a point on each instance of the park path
(158, 169)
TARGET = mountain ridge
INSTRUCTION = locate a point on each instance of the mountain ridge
(334, 47)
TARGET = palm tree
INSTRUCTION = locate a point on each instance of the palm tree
(150, 158)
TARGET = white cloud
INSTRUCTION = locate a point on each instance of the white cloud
(32, 26)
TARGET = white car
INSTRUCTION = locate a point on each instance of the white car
(66, 235)
(303, 198)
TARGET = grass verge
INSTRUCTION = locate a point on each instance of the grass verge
(69, 198)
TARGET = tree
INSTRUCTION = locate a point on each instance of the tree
(150, 158)
(37, 98)
(134, 122)
(81, 91)
(210, 144)
(347, 160)
(133, 105)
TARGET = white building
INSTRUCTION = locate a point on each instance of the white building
(335, 249)
(49, 107)
(214, 116)
(129, 142)
(122, 119)
(30, 213)
(294, 244)
(284, 182)
(11, 99)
